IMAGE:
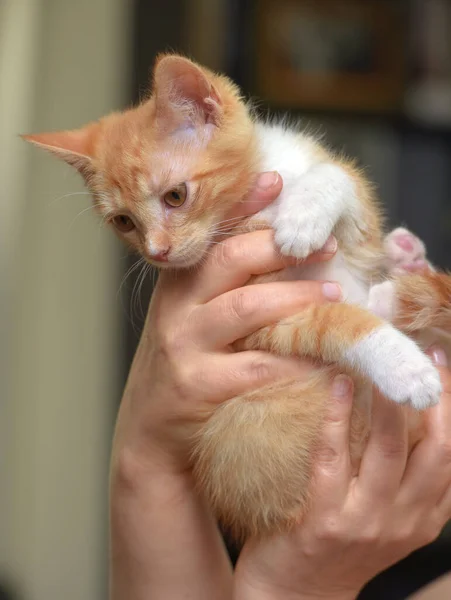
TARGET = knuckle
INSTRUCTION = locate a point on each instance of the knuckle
(330, 529)
(392, 448)
(329, 458)
(185, 378)
(228, 251)
(260, 370)
(334, 418)
(175, 350)
(242, 305)
(171, 342)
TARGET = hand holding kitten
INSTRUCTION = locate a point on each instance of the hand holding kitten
(164, 539)
(184, 361)
(358, 525)
(168, 175)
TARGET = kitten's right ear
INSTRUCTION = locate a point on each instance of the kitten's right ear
(185, 94)
(74, 147)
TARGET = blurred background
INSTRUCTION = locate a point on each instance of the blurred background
(373, 76)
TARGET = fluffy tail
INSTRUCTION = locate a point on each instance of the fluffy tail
(356, 339)
(253, 457)
(422, 301)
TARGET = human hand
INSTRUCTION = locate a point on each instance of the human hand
(359, 525)
(164, 542)
(185, 366)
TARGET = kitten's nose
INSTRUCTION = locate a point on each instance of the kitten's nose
(160, 255)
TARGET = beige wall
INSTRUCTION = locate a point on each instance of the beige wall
(63, 63)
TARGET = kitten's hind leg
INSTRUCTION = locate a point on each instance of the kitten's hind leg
(423, 300)
(404, 252)
(414, 302)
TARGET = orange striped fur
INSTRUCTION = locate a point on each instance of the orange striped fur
(423, 301)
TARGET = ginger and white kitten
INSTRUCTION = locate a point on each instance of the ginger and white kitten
(166, 174)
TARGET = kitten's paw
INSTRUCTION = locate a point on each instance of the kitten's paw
(302, 235)
(404, 252)
(415, 382)
(398, 367)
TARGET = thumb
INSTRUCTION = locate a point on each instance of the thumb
(267, 187)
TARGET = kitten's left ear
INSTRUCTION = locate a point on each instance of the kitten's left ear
(185, 94)
(75, 147)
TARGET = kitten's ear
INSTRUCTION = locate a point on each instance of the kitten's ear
(185, 94)
(74, 147)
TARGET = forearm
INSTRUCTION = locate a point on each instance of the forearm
(164, 542)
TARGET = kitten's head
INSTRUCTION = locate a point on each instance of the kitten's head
(166, 173)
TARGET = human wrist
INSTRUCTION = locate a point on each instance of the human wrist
(144, 444)
(133, 471)
(156, 512)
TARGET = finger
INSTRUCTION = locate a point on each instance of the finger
(267, 188)
(235, 260)
(428, 473)
(238, 313)
(241, 372)
(332, 466)
(384, 460)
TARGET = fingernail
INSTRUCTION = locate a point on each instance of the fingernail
(439, 356)
(330, 246)
(332, 291)
(267, 180)
(341, 386)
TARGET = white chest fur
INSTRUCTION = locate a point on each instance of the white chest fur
(355, 290)
(315, 197)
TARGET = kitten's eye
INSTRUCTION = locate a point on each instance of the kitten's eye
(123, 223)
(176, 197)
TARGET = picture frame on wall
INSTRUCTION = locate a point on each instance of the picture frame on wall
(329, 55)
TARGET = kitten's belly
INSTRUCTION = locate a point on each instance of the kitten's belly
(355, 290)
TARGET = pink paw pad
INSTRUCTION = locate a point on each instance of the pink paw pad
(405, 252)
(405, 242)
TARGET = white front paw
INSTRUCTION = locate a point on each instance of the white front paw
(301, 235)
(398, 367)
(415, 382)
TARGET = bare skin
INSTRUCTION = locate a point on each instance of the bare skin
(164, 541)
